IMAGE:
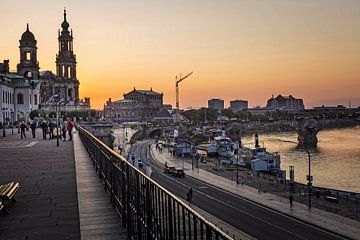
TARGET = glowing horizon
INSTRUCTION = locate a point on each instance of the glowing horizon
(247, 49)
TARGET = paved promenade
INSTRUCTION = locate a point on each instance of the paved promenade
(322, 219)
(59, 197)
(46, 205)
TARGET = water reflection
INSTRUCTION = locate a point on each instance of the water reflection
(335, 162)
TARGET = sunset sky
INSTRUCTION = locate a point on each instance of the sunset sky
(238, 49)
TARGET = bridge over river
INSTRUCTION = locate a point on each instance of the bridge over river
(307, 129)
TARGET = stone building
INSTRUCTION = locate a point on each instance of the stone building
(20, 91)
(28, 66)
(285, 103)
(19, 95)
(62, 88)
(137, 105)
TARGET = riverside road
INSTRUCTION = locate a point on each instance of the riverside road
(247, 216)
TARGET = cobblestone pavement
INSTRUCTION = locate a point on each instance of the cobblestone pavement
(47, 206)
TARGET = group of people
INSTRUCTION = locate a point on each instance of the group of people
(49, 128)
(54, 131)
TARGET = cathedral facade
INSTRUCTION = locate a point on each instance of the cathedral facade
(30, 89)
(62, 88)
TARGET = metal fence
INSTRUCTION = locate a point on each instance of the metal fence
(147, 210)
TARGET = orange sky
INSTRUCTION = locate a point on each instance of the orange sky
(248, 49)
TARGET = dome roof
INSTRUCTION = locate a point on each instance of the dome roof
(28, 36)
(65, 25)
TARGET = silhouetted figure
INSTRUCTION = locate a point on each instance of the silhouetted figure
(291, 199)
(44, 128)
(70, 126)
(33, 128)
(51, 129)
(189, 195)
(64, 129)
(22, 130)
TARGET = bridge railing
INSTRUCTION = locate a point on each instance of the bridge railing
(147, 210)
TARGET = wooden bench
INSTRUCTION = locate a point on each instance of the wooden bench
(7, 192)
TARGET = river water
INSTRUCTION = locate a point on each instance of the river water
(334, 164)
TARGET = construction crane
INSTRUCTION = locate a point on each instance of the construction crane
(177, 81)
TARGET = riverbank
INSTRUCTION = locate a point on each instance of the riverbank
(346, 207)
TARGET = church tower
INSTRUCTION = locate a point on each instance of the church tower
(28, 66)
(66, 64)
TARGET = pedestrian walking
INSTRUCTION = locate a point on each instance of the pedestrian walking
(51, 129)
(70, 126)
(189, 195)
(33, 128)
(291, 199)
(64, 129)
(22, 130)
(44, 128)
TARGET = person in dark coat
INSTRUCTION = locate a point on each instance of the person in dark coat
(33, 128)
(70, 126)
(64, 129)
(22, 130)
(189, 195)
(44, 128)
(51, 129)
(291, 199)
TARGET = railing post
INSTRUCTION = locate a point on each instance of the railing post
(128, 202)
(170, 218)
(195, 227)
(112, 182)
(208, 232)
(137, 205)
(149, 211)
(123, 193)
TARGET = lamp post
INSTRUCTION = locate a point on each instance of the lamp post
(310, 179)
(237, 167)
(57, 119)
(12, 122)
(18, 122)
(3, 123)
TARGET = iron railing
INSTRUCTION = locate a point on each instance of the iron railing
(147, 210)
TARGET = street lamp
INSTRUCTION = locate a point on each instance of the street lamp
(3, 123)
(310, 179)
(237, 166)
(12, 122)
(18, 122)
(57, 119)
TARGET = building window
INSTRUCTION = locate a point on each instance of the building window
(28, 56)
(35, 99)
(69, 75)
(20, 98)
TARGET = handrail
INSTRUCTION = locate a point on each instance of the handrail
(121, 159)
